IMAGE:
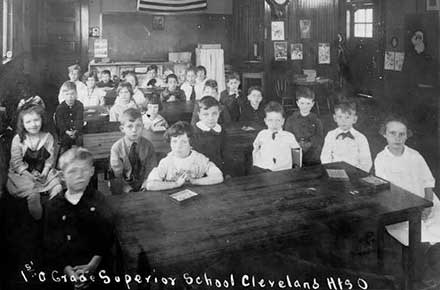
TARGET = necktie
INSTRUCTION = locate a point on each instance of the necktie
(345, 135)
(274, 134)
(193, 94)
(134, 161)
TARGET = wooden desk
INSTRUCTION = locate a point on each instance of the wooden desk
(177, 111)
(264, 211)
(96, 113)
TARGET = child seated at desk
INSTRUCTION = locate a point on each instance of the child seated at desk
(346, 143)
(69, 118)
(123, 101)
(74, 76)
(188, 87)
(138, 95)
(405, 167)
(172, 93)
(132, 157)
(31, 170)
(209, 137)
(252, 110)
(200, 81)
(151, 118)
(211, 89)
(95, 95)
(231, 98)
(78, 225)
(152, 80)
(106, 81)
(273, 146)
(182, 164)
(306, 126)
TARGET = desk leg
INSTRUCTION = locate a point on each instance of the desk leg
(380, 246)
(415, 237)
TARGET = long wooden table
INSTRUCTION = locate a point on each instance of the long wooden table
(266, 211)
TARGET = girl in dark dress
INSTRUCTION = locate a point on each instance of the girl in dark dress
(31, 168)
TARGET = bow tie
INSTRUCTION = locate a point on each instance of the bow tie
(345, 135)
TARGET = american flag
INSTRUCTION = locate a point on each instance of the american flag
(171, 6)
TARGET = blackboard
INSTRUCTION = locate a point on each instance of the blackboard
(131, 36)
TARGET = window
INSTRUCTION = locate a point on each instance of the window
(7, 29)
(363, 23)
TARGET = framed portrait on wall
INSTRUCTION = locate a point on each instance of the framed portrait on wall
(280, 50)
(432, 5)
(158, 22)
(277, 28)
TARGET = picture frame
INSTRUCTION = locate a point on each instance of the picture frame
(432, 5)
(277, 29)
(394, 42)
(280, 50)
(158, 22)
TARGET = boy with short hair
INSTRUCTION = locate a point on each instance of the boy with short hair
(172, 93)
(346, 143)
(78, 223)
(69, 117)
(211, 89)
(306, 126)
(132, 157)
(273, 146)
(106, 81)
(74, 76)
(232, 98)
(252, 109)
(209, 137)
(188, 87)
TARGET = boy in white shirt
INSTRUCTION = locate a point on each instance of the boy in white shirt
(346, 143)
(188, 87)
(273, 146)
(74, 76)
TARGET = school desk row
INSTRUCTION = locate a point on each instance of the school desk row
(270, 213)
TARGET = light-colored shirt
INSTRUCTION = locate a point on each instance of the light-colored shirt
(93, 98)
(81, 92)
(274, 153)
(355, 151)
(187, 89)
(195, 165)
(217, 128)
(198, 87)
(153, 124)
(18, 149)
(138, 97)
(410, 171)
(117, 109)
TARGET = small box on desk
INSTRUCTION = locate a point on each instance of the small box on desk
(375, 182)
(183, 196)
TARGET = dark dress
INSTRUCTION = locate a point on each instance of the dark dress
(211, 144)
(36, 159)
(233, 104)
(73, 234)
(249, 114)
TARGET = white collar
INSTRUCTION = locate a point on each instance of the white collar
(351, 130)
(73, 198)
(217, 128)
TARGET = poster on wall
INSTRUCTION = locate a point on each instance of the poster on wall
(323, 53)
(389, 60)
(296, 51)
(399, 58)
(304, 26)
(280, 50)
(100, 48)
(277, 30)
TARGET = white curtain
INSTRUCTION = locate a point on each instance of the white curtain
(213, 61)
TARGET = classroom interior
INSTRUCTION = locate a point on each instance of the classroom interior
(363, 48)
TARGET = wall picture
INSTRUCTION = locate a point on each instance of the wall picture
(296, 51)
(280, 50)
(158, 22)
(389, 60)
(323, 53)
(305, 26)
(432, 5)
(277, 30)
